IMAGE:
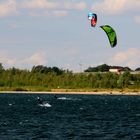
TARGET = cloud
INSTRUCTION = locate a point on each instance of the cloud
(129, 58)
(39, 4)
(37, 58)
(56, 13)
(6, 59)
(47, 7)
(46, 4)
(8, 8)
(78, 6)
(116, 6)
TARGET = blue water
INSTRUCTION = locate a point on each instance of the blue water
(69, 117)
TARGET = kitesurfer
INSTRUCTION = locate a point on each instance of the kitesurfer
(40, 101)
(55, 96)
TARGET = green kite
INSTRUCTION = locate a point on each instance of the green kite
(111, 34)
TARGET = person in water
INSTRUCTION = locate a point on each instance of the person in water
(40, 101)
(55, 96)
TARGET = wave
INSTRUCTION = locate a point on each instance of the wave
(45, 104)
(65, 98)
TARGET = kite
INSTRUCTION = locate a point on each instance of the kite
(93, 18)
(111, 34)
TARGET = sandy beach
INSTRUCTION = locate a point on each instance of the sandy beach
(62, 92)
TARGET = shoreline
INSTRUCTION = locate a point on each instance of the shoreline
(76, 93)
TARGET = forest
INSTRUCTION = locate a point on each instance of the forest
(43, 78)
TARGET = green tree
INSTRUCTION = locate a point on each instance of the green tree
(124, 80)
(1, 68)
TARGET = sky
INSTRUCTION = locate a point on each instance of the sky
(58, 33)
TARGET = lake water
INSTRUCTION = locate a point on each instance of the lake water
(69, 117)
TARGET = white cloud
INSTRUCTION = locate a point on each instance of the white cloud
(116, 6)
(39, 4)
(56, 13)
(48, 8)
(8, 8)
(129, 58)
(58, 8)
(6, 59)
(78, 6)
(46, 4)
(37, 58)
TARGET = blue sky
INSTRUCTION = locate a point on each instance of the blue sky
(58, 33)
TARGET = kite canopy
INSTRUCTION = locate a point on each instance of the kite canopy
(110, 32)
(93, 18)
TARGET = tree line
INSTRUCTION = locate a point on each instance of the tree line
(45, 78)
(105, 68)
